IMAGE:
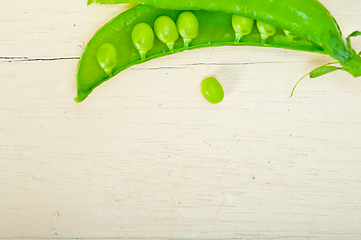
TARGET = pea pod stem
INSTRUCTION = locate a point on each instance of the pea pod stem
(309, 74)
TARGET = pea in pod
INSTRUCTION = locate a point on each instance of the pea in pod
(107, 57)
(266, 30)
(166, 31)
(142, 38)
(187, 25)
(300, 25)
(242, 26)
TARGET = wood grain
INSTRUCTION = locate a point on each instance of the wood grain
(146, 157)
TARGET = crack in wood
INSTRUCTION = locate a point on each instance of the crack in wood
(27, 59)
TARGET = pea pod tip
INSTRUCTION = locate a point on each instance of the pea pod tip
(79, 98)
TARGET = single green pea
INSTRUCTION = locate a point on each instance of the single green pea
(166, 30)
(289, 34)
(187, 25)
(212, 90)
(266, 30)
(242, 26)
(143, 38)
(107, 57)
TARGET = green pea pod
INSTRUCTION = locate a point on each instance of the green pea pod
(214, 29)
(305, 18)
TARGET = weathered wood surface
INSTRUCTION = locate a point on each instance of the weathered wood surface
(146, 157)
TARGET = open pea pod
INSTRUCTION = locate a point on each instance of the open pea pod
(306, 18)
(128, 39)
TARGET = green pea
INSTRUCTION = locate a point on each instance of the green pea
(187, 25)
(212, 90)
(242, 26)
(107, 57)
(289, 34)
(143, 38)
(266, 30)
(166, 31)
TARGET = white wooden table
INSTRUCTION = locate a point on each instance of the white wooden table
(146, 157)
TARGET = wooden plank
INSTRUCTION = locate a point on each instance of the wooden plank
(146, 157)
